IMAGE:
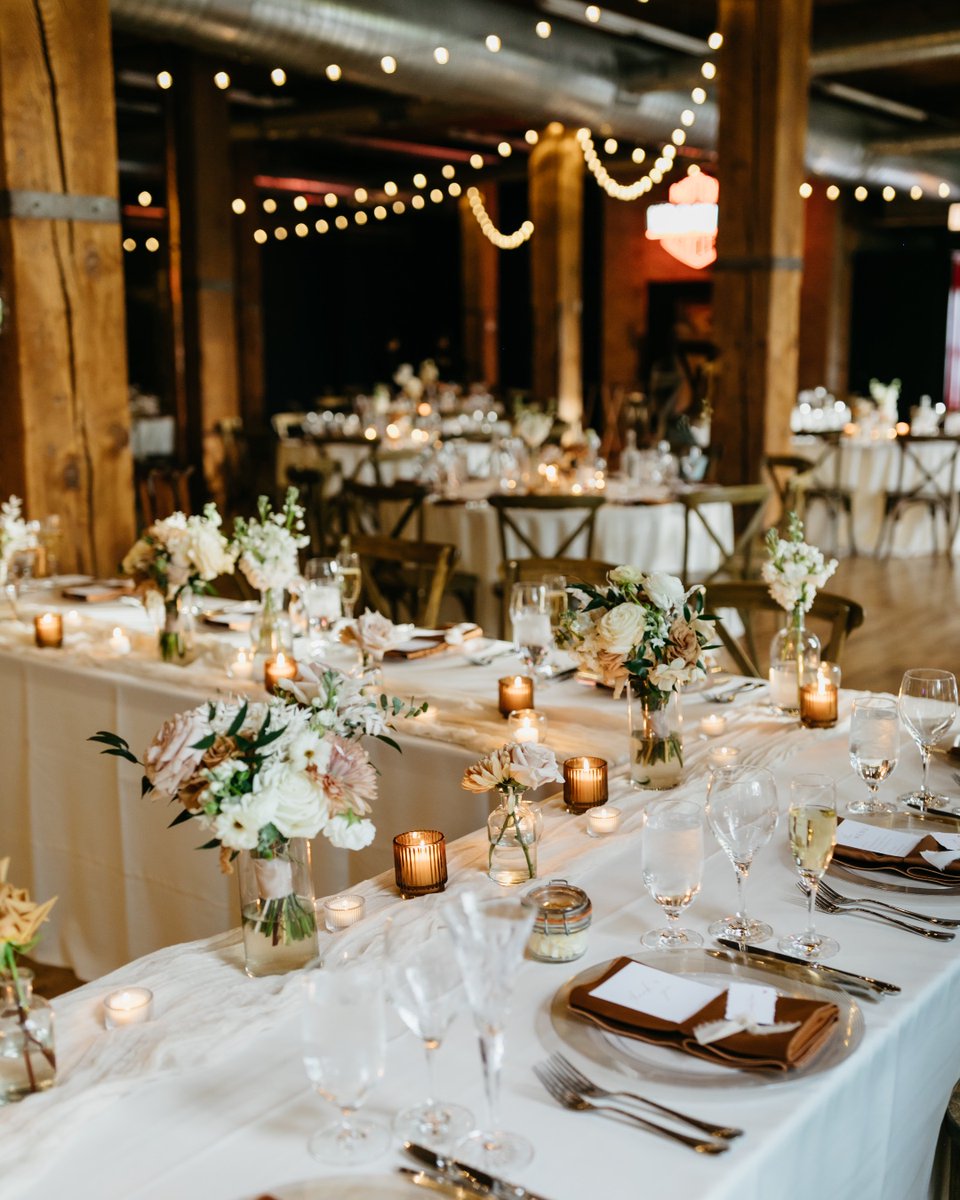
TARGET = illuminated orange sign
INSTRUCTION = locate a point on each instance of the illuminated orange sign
(687, 226)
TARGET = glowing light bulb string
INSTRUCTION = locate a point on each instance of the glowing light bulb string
(503, 241)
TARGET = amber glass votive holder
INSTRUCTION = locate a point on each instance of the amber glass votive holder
(516, 691)
(278, 670)
(420, 862)
(48, 630)
(584, 782)
(819, 696)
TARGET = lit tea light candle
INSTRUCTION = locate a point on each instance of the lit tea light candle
(241, 666)
(585, 782)
(420, 862)
(722, 756)
(48, 630)
(516, 692)
(714, 725)
(818, 698)
(131, 1006)
(119, 642)
(603, 821)
(276, 669)
(71, 619)
(527, 725)
(340, 912)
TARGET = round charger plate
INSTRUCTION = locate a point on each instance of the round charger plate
(346, 1187)
(890, 881)
(664, 1064)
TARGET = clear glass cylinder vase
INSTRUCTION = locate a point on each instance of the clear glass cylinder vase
(656, 738)
(514, 830)
(175, 636)
(794, 657)
(28, 1060)
(271, 631)
(277, 910)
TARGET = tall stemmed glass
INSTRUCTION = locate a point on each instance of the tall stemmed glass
(344, 1032)
(928, 707)
(556, 589)
(349, 577)
(320, 597)
(742, 811)
(532, 636)
(874, 749)
(813, 835)
(671, 860)
(424, 983)
(489, 938)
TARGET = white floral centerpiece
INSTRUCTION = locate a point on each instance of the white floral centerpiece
(15, 535)
(886, 397)
(267, 548)
(794, 571)
(533, 427)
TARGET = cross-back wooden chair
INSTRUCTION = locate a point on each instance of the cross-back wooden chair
(317, 485)
(163, 491)
(530, 570)
(363, 509)
(402, 579)
(381, 465)
(826, 487)
(926, 476)
(760, 616)
(519, 539)
(789, 475)
(705, 509)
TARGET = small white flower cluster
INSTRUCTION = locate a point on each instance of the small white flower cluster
(181, 552)
(794, 571)
(15, 533)
(267, 544)
(339, 705)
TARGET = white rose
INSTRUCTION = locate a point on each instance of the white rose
(626, 574)
(350, 835)
(622, 628)
(299, 805)
(665, 591)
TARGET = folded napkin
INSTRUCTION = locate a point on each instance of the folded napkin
(806, 1026)
(914, 865)
(435, 641)
(99, 590)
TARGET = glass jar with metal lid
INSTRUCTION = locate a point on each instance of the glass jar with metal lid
(564, 912)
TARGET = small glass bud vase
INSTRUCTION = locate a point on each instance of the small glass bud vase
(514, 830)
(794, 658)
(176, 635)
(27, 1059)
(271, 632)
(656, 739)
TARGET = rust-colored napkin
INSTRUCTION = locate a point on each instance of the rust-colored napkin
(775, 1051)
(432, 641)
(913, 865)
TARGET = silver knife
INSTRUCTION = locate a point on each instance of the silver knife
(927, 811)
(472, 1178)
(834, 973)
(441, 1183)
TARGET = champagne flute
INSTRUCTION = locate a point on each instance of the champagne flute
(530, 616)
(928, 707)
(349, 565)
(671, 860)
(556, 589)
(344, 1031)
(813, 835)
(424, 983)
(874, 749)
(742, 811)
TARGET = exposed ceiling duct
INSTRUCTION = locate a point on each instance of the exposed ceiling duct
(578, 77)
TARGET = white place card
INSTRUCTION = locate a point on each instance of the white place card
(656, 993)
(752, 1003)
(877, 840)
(949, 841)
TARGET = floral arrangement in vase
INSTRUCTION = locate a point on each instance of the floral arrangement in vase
(26, 1021)
(15, 535)
(173, 557)
(267, 549)
(513, 828)
(374, 634)
(647, 632)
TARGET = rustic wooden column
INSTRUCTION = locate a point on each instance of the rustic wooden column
(480, 282)
(763, 125)
(556, 209)
(64, 420)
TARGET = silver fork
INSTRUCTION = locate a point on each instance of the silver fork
(836, 898)
(576, 1080)
(728, 696)
(574, 1101)
(828, 906)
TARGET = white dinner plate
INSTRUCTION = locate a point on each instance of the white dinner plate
(345, 1187)
(890, 881)
(666, 1064)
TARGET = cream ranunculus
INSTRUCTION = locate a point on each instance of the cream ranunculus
(621, 628)
(626, 574)
(665, 591)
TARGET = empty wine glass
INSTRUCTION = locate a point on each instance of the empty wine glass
(424, 983)
(874, 749)
(489, 939)
(349, 577)
(344, 1032)
(742, 811)
(671, 860)
(928, 707)
(530, 615)
(813, 835)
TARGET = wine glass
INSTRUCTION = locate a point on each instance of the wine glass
(742, 811)
(424, 983)
(813, 835)
(671, 860)
(344, 1030)
(928, 707)
(530, 615)
(349, 565)
(489, 939)
(874, 749)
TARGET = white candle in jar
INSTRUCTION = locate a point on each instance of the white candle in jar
(131, 1006)
(784, 686)
(340, 912)
(119, 642)
(241, 667)
(527, 725)
(722, 756)
(714, 725)
(603, 820)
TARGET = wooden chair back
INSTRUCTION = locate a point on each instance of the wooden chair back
(317, 485)
(748, 502)
(402, 579)
(363, 511)
(517, 539)
(288, 424)
(163, 491)
(789, 475)
(926, 475)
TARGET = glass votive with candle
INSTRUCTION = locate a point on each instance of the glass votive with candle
(516, 692)
(277, 669)
(129, 1006)
(48, 630)
(527, 725)
(420, 862)
(722, 756)
(340, 912)
(119, 642)
(603, 821)
(241, 665)
(585, 782)
(819, 696)
(714, 725)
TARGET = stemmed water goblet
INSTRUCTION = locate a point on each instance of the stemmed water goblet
(928, 707)
(671, 860)
(874, 749)
(742, 812)
(813, 835)
(424, 983)
(489, 939)
(344, 1034)
(532, 636)
(349, 578)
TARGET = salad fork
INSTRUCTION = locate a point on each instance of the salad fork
(730, 694)
(828, 906)
(835, 897)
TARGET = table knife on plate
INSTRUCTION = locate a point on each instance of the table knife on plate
(444, 1184)
(472, 1179)
(834, 974)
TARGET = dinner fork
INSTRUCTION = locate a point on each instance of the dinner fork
(729, 695)
(835, 897)
(574, 1101)
(567, 1073)
(827, 906)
